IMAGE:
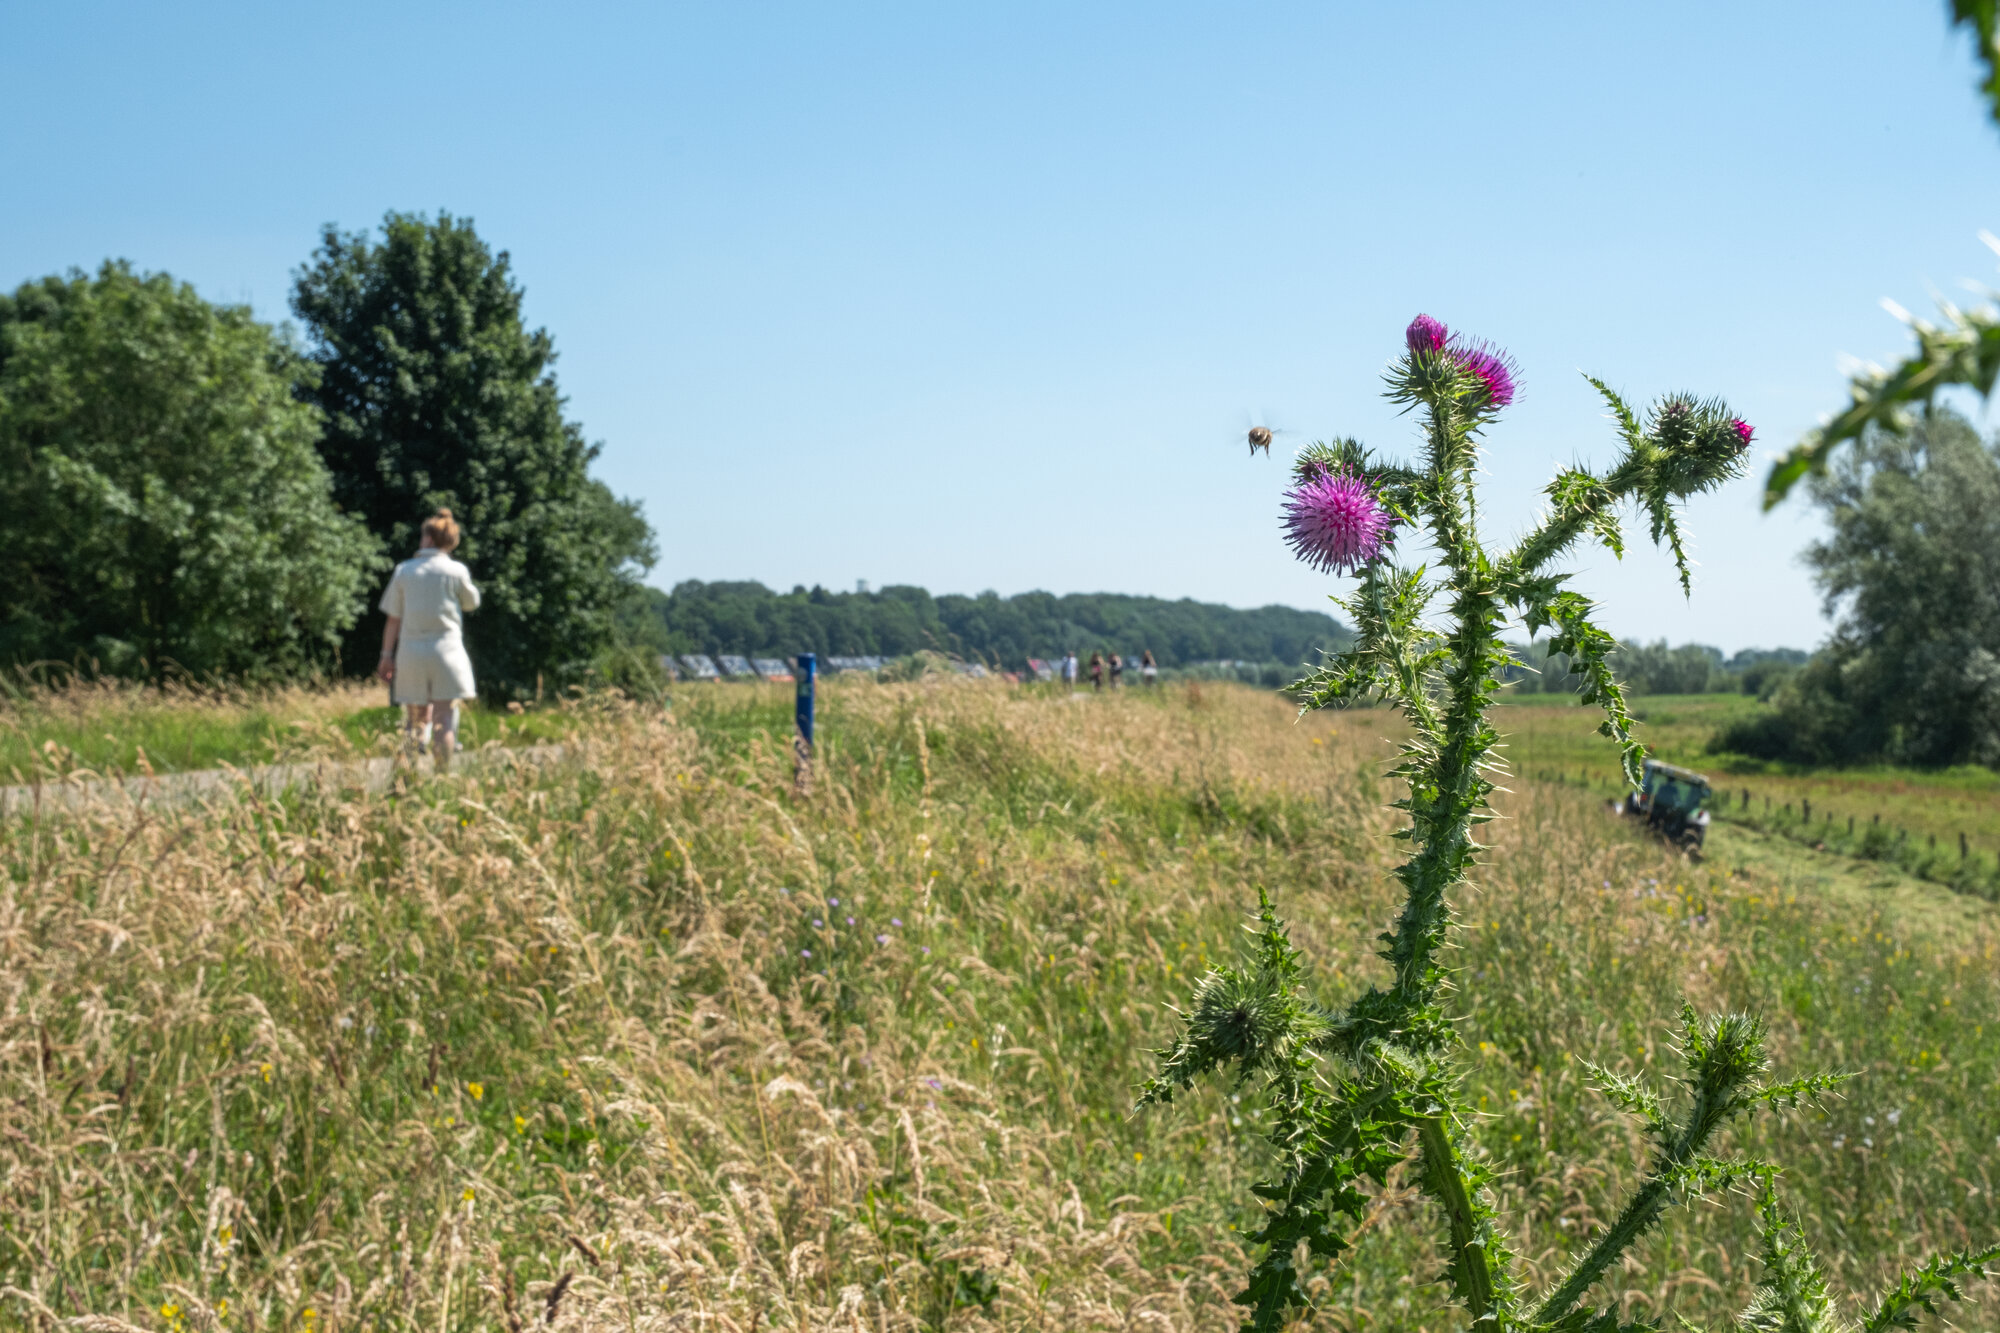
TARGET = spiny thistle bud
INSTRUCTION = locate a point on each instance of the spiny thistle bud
(1490, 364)
(1334, 522)
(1426, 335)
(1744, 431)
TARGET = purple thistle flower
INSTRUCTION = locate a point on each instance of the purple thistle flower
(1744, 430)
(1334, 522)
(1426, 335)
(1490, 364)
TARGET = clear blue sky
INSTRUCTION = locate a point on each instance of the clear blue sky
(977, 297)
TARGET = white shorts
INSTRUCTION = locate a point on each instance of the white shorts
(432, 671)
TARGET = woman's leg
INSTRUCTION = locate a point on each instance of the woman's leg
(416, 726)
(444, 732)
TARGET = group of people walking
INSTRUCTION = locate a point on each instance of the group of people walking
(1109, 669)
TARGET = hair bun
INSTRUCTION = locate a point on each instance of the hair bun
(443, 512)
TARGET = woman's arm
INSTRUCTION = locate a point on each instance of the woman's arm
(391, 627)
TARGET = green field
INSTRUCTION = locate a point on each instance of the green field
(1909, 816)
(647, 1040)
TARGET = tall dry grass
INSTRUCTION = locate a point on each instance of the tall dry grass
(645, 1043)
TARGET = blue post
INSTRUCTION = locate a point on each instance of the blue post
(802, 742)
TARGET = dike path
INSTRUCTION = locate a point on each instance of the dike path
(84, 790)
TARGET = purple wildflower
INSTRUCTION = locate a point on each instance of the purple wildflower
(1426, 335)
(1334, 522)
(881, 939)
(1744, 430)
(818, 924)
(850, 921)
(1490, 364)
(805, 953)
(895, 921)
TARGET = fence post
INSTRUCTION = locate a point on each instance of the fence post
(802, 716)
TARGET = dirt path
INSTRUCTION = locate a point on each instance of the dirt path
(83, 789)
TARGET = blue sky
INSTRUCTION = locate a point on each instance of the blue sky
(979, 297)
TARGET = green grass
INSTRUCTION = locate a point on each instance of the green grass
(116, 728)
(406, 1061)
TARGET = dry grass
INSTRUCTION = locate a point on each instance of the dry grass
(598, 1047)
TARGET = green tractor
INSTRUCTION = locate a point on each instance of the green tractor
(1673, 802)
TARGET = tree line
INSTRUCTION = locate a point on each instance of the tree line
(1005, 632)
(1656, 668)
(186, 489)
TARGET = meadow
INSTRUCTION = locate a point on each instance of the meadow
(644, 1040)
(1941, 825)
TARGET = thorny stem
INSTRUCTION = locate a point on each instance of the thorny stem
(1445, 1183)
(1335, 1134)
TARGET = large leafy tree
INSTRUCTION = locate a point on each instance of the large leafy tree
(1911, 564)
(161, 501)
(435, 392)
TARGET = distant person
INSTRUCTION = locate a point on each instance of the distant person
(1096, 671)
(423, 651)
(1149, 670)
(1069, 669)
(1117, 670)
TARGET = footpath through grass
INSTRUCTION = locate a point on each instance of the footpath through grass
(642, 1042)
(117, 727)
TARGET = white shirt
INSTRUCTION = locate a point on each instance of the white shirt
(430, 593)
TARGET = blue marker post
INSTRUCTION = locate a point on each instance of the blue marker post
(802, 741)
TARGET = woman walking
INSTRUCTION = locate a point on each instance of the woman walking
(1097, 671)
(423, 650)
(1149, 669)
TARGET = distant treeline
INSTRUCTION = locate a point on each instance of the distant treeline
(1000, 631)
(1692, 668)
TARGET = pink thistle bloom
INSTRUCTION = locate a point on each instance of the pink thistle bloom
(1334, 522)
(1744, 430)
(1490, 364)
(1426, 335)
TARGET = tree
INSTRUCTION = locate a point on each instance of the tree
(435, 393)
(1912, 568)
(161, 500)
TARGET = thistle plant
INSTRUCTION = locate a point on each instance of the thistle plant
(1353, 1091)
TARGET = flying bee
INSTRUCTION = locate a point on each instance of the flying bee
(1260, 433)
